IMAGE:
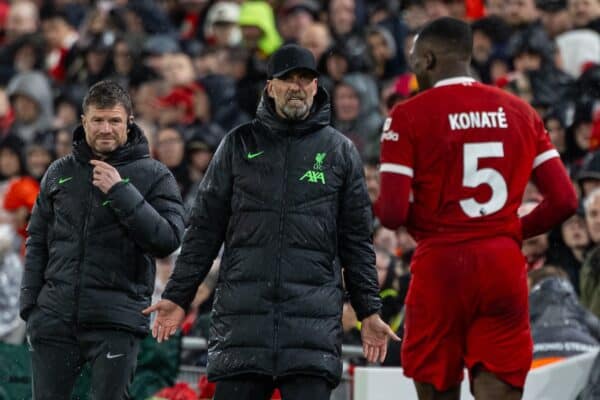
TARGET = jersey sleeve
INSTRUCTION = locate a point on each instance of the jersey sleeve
(397, 149)
(544, 149)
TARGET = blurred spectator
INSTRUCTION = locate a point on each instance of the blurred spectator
(177, 70)
(26, 53)
(554, 16)
(555, 125)
(589, 279)
(60, 39)
(295, 16)
(63, 142)
(38, 156)
(578, 136)
(155, 50)
(12, 162)
(585, 14)
(12, 327)
(97, 60)
(317, 39)
(520, 13)
(170, 150)
(577, 50)
(446, 8)
(259, 31)
(490, 36)
(198, 155)
(356, 112)
(67, 112)
(31, 99)
(560, 326)
(178, 105)
(19, 199)
(223, 103)
(221, 27)
(569, 245)
(346, 32)
(23, 18)
(383, 52)
(588, 176)
(124, 57)
(414, 14)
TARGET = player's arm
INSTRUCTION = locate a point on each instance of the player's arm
(396, 172)
(560, 200)
(392, 204)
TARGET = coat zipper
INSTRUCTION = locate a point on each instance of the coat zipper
(279, 256)
(79, 271)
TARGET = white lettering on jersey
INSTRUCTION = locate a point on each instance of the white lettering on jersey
(390, 135)
(387, 134)
(478, 119)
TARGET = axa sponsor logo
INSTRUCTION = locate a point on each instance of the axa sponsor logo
(316, 175)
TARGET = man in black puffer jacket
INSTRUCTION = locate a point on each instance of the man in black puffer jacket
(103, 214)
(286, 193)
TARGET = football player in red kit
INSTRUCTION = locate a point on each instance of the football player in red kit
(455, 160)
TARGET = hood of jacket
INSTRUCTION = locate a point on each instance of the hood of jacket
(135, 148)
(35, 86)
(319, 116)
(260, 15)
(550, 291)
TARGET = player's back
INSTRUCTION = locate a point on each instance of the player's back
(471, 149)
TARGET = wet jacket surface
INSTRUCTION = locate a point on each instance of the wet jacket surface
(560, 326)
(290, 202)
(90, 255)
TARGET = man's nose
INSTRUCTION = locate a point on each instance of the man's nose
(105, 126)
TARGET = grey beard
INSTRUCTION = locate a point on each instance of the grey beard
(295, 113)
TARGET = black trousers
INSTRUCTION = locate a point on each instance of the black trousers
(261, 387)
(59, 351)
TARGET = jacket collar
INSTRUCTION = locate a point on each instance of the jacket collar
(319, 117)
(135, 148)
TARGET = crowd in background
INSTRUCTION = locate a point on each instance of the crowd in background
(196, 69)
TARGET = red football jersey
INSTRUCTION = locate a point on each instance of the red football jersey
(469, 149)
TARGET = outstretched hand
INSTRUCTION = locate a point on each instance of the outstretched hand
(168, 318)
(375, 334)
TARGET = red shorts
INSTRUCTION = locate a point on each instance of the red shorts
(467, 305)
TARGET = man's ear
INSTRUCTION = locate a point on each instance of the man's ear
(270, 88)
(430, 60)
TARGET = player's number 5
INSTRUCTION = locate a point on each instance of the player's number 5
(473, 177)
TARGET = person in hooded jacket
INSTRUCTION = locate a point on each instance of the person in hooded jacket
(103, 214)
(560, 326)
(287, 195)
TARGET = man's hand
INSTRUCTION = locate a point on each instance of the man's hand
(105, 175)
(169, 318)
(375, 334)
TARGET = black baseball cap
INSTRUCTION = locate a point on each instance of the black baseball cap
(291, 57)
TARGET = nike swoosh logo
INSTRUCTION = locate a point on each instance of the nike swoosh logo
(111, 356)
(254, 155)
(63, 180)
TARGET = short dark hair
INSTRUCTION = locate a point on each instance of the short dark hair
(449, 33)
(106, 94)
